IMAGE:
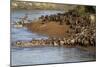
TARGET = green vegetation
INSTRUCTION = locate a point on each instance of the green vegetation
(83, 10)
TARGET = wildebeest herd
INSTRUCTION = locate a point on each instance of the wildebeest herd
(82, 30)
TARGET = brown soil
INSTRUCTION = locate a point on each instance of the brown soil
(50, 29)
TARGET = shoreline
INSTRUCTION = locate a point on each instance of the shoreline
(89, 48)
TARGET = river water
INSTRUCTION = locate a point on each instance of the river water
(41, 55)
(23, 33)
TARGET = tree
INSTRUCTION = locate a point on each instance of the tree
(90, 9)
(83, 10)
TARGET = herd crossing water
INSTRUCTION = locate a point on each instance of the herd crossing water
(41, 55)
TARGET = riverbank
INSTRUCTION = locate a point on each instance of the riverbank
(51, 29)
(70, 27)
(88, 48)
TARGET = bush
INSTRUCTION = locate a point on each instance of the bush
(83, 10)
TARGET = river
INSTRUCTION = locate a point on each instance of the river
(41, 55)
(23, 33)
